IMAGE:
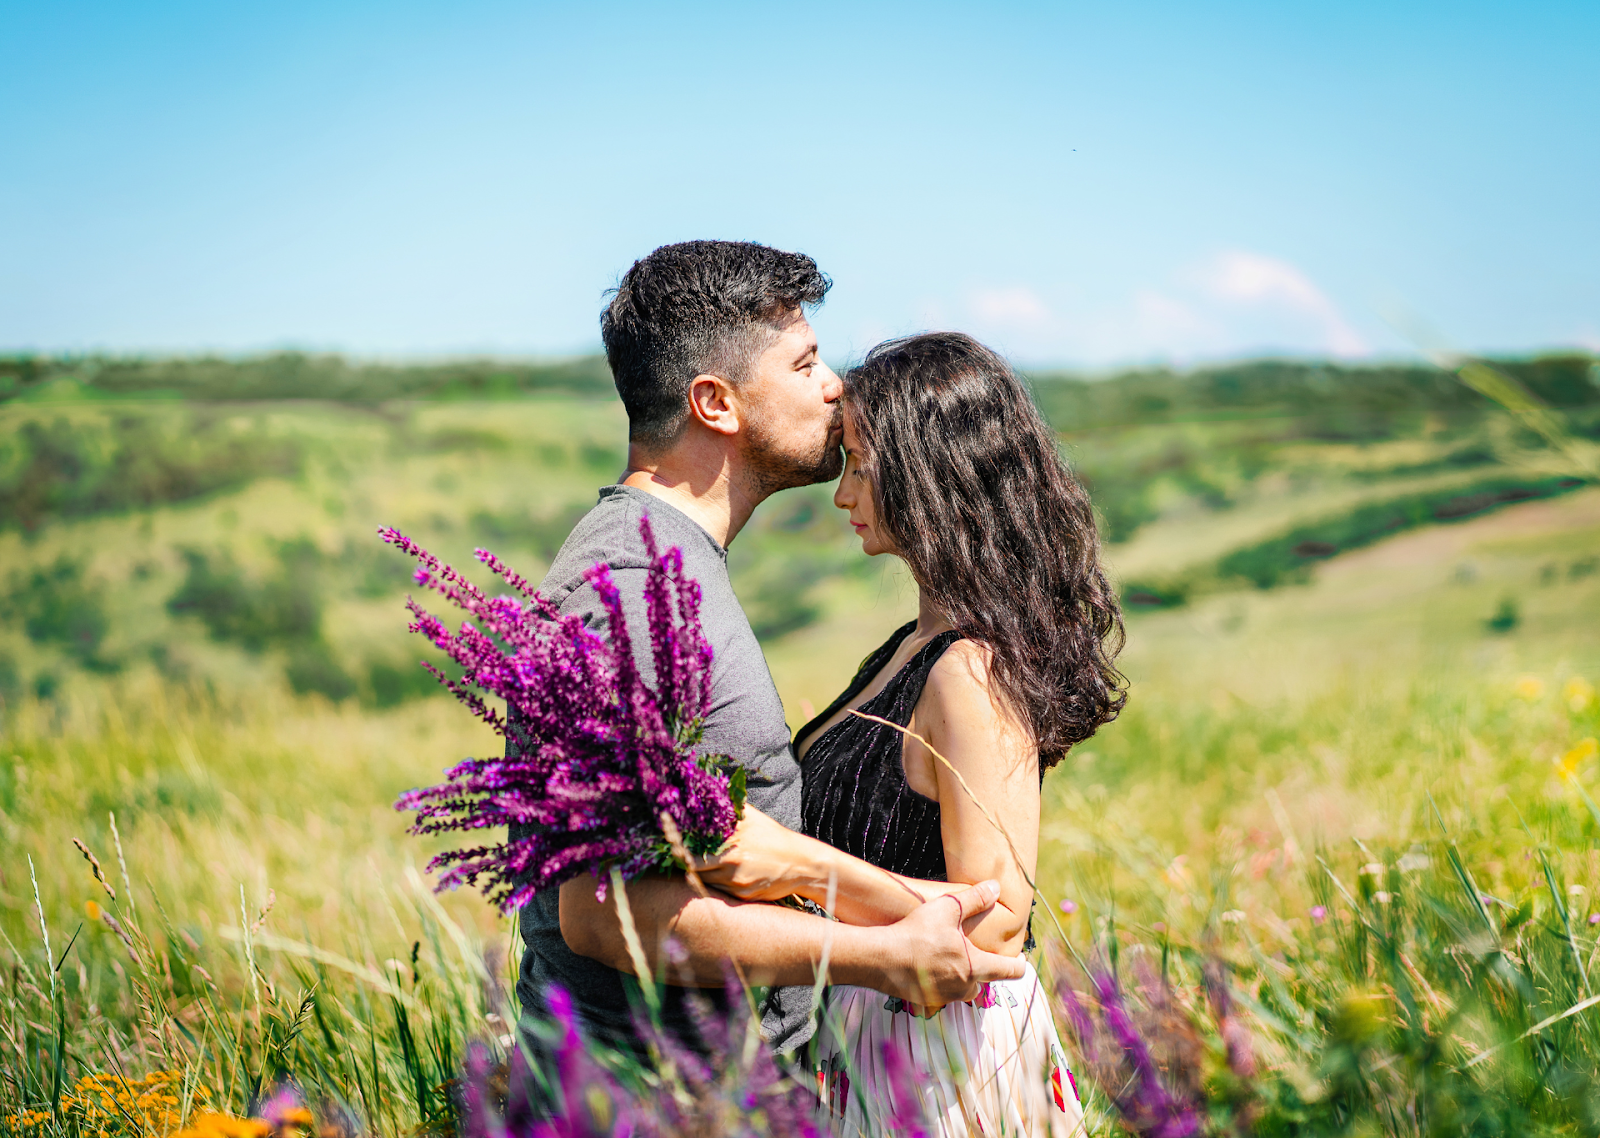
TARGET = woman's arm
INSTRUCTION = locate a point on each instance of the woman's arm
(767, 861)
(991, 771)
(999, 765)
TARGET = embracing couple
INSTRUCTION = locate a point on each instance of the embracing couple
(920, 845)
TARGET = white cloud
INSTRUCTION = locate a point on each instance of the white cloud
(1587, 338)
(1017, 307)
(1251, 280)
(1235, 303)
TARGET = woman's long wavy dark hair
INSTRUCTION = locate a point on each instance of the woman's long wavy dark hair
(997, 532)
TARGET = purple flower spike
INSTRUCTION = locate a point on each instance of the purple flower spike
(907, 1119)
(595, 756)
(478, 1115)
(1144, 1102)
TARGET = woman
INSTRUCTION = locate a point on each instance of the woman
(950, 467)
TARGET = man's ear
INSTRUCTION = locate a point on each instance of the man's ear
(714, 404)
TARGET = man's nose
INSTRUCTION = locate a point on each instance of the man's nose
(832, 385)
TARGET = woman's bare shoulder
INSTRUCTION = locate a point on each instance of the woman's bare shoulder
(964, 709)
(963, 666)
(959, 680)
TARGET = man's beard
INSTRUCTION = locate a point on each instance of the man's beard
(773, 467)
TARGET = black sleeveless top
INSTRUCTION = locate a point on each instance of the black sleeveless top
(853, 790)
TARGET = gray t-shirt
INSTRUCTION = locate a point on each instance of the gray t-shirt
(745, 722)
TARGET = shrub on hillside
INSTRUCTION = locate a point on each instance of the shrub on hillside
(391, 683)
(58, 605)
(1290, 556)
(256, 614)
(81, 468)
(312, 669)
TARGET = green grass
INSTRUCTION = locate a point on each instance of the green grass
(1384, 711)
(1339, 711)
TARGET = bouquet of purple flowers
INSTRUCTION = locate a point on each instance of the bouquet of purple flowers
(599, 766)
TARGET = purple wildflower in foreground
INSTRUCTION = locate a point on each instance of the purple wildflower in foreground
(1147, 1106)
(735, 1090)
(597, 756)
(905, 1096)
(1149, 1070)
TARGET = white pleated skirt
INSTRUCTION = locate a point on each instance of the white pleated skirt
(990, 1067)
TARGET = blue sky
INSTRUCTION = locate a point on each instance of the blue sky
(1083, 184)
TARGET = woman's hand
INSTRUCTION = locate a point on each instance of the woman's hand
(763, 861)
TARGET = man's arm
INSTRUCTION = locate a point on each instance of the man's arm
(924, 958)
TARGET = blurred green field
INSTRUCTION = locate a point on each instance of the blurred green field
(201, 633)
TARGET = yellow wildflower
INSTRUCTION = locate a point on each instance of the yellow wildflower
(92, 909)
(1569, 763)
(1579, 694)
(1529, 688)
(210, 1124)
(99, 1102)
(24, 1119)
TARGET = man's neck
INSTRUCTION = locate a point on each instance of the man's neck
(702, 485)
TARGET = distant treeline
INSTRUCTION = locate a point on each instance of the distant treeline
(296, 375)
(1354, 401)
(1344, 401)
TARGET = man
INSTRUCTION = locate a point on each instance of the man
(728, 402)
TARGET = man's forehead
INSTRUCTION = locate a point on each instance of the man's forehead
(796, 329)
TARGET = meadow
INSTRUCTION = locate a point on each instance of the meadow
(1355, 774)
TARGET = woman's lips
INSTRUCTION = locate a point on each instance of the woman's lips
(858, 526)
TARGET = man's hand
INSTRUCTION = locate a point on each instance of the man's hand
(928, 959)
(924, 958)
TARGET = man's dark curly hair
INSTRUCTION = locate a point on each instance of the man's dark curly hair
(697, 308)
(972, 490)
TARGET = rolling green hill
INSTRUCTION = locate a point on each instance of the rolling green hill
(212, 520)
(1382, 667)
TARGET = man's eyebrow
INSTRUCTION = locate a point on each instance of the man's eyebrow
(811, 350)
